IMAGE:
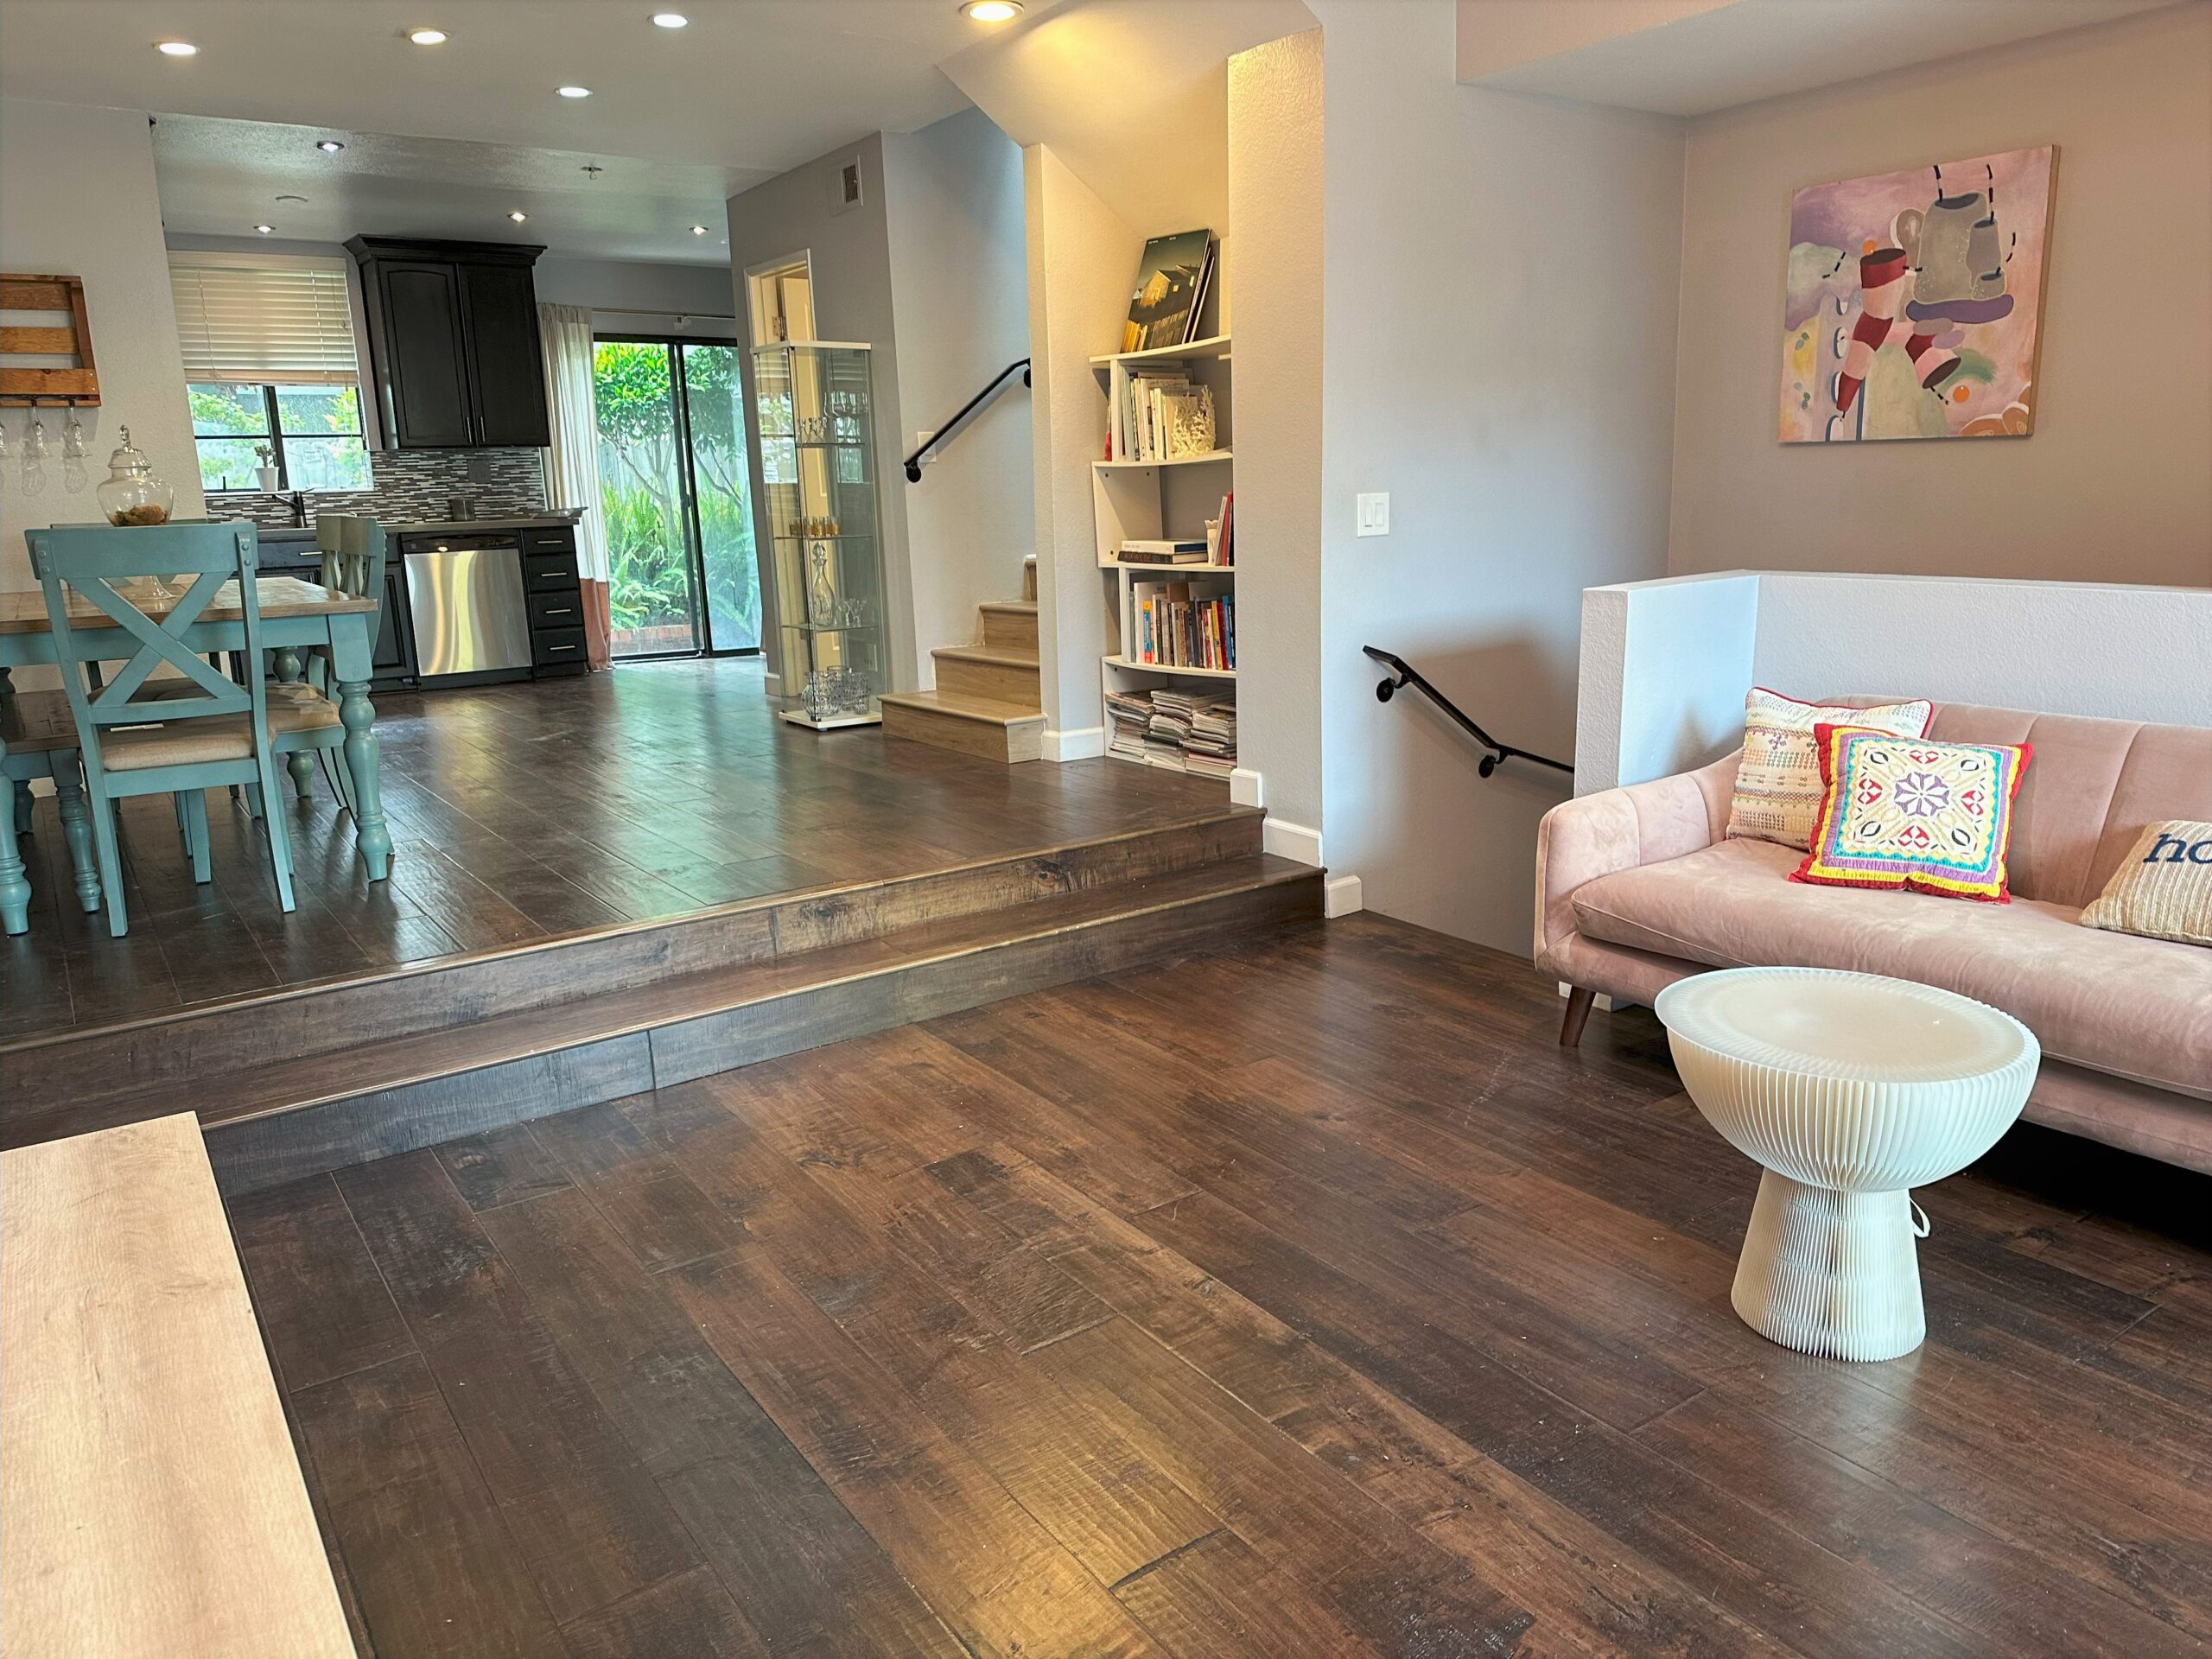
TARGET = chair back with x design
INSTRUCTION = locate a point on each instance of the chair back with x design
(353, 551)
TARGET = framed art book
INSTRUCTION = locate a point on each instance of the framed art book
(1171, 285)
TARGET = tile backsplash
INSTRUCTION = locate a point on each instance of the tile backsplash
(413, 486)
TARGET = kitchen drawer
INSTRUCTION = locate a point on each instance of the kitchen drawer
(564, 609)
(561, 540)
(545, 573)
(556, 647)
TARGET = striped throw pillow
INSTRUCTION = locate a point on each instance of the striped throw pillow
(1778, 784)
(2162, 888)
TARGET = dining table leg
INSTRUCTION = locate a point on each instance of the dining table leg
(77, 833)
(298, 763)
(359, 717)
(15, 889)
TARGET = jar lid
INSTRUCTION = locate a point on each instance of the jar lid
(129, 459)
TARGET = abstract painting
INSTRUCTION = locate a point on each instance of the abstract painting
(1916, 302)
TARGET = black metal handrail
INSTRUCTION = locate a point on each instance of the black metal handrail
(938, 437)
(1409, 674)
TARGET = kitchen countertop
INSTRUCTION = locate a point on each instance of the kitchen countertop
(438, 526)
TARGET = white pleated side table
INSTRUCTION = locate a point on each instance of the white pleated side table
(1848, 1090)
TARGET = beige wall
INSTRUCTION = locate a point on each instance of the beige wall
(2116, 483)
(77, 200)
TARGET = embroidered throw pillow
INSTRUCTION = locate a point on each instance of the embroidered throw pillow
(2162, 888)
(1904, 812)
(1778, 784)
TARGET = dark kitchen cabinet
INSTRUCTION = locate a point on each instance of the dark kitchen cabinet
(453, 342)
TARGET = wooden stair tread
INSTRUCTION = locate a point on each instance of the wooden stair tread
(1001, 656)
(1023, 607)
(288, 1085)
(959, 708)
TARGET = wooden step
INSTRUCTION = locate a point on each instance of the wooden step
(282, 1121)
(1010, 624)
(54, 1083)
(989, 731)
(988, 674)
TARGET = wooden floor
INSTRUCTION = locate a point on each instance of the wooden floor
(1305, 1301)
(523, 811)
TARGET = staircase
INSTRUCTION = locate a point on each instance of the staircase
(293, 1082)
(988, 702)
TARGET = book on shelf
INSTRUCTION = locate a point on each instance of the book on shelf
(1178, 628)
(1195, 730)
(1225, 535)
(1141, 550)
(1173, 276)
(1161, 415)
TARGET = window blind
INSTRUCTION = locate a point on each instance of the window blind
(290, 324)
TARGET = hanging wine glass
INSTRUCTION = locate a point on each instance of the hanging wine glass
(3, 443)
(35, 441)
(73, 439)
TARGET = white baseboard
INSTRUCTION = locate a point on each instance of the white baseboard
(1246, 788)
(1086, 744)
(1341, 896)
(1292, 840)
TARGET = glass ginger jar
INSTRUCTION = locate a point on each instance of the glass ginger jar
(133, 493)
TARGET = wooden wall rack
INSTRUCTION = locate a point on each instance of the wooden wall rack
(22, 387)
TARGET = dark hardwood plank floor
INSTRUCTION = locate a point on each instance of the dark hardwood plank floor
(1307, 1300)
(527, 810)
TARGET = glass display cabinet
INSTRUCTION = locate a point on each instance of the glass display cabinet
(817, 468)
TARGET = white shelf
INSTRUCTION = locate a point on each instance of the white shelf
(1164, 569)
(1206, 460)
(1171, 668)
(1213, 345)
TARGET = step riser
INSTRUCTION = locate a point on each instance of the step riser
(49, 1079)
(269, 1151)
(985, 740)
(1007, 682)
(1011, 631)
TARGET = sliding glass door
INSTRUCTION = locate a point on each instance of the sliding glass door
(674, 497)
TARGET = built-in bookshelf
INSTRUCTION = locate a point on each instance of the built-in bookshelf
(1146, 490)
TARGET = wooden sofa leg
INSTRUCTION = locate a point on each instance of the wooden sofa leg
(1578, 1015)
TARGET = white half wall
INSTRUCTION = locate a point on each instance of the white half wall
(78, 199)
(1665, 664)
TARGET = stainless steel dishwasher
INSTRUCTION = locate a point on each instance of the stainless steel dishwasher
(470, 615)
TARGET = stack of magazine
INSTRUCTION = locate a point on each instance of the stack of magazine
(1192, 731)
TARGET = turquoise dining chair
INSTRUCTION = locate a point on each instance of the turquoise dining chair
(94, 579)
(39, 737)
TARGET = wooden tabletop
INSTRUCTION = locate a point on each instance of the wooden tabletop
(24, 611)
(148, 1489)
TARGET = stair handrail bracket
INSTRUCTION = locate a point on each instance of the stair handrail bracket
(927, 451)
(1404, 673)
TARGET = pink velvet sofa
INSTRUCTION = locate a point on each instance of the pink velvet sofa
(1638, 887)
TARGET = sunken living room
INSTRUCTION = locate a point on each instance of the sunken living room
(1093, 829)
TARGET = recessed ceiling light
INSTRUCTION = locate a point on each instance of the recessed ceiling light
(427, 37)
(698, 229)
(328, 146)
(993, 11)
(574, 92)
(669, 20)
(265, 229)
(517, 215)
(176, 48)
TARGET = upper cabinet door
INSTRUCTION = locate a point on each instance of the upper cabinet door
(424, 359)
(507, 364)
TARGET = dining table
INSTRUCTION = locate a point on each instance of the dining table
(296, 617)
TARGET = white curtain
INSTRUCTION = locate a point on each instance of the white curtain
(572, 464)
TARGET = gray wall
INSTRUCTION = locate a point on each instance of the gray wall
(2116, 483)
(851, 251)
(959, 283)
(702, 291)
(1500, 313)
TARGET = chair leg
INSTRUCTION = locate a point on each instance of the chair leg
(280, 835)
(15, 889)
(77, 831)
(195, 820)
(23, 810)
(253, 802)
(183, 823)
(102, 811)
(1578, 1015)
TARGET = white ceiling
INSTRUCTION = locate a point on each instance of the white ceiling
(1690, 57)
(751, 89)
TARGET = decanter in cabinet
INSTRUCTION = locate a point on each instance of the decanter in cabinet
(817, 465)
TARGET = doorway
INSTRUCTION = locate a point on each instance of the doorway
(675, 496)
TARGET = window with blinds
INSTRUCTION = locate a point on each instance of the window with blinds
(242, 323)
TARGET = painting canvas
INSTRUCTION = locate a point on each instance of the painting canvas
(1915, 301)
(1170, 288)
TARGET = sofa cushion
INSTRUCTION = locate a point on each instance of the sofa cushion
(2132, 1007)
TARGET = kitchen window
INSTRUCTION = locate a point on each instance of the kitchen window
(271, 370)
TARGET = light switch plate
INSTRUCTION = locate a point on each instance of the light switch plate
(1375, 514)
